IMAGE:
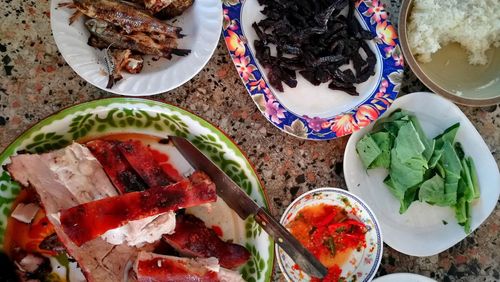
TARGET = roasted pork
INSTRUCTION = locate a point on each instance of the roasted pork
(87, 221)
(142, 231)
(192, 238)
(141, 159)
(65, 178)
(116, 166)
(151, 267)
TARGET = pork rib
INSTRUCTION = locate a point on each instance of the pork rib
(116, 166)
(90, 220)
(141, 159)
(192, 238)
(151, 267)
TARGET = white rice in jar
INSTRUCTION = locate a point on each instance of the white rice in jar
(474, 24)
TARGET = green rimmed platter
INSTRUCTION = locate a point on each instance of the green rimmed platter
(111, 116)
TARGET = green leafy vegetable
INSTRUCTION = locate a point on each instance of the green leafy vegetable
(384, 142)
(432, 191)
(396, 189)
(448, 135)
(368, 150)
(450, 162)
(407, 144)
(428, 143)
(436, 171)
(466, 178)
(411, 195)
(473, 175)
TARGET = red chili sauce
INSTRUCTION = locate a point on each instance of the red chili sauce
(330, 235)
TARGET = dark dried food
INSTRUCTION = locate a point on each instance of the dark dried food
(315, 39)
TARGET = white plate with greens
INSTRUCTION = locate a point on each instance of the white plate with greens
(424, 229)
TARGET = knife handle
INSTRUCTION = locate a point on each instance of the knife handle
(297, 252)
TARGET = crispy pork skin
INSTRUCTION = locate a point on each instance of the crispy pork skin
(141, 159)
(192, 238)
(87, 221)
(116, 166)
(151, 267)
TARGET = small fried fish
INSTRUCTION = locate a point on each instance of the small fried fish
(137, 41)
(126, 16)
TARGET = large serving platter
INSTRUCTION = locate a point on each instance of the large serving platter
(316, 112)
(112, 116)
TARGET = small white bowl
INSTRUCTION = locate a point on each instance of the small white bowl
(361, 265)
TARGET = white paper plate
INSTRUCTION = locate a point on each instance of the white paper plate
(421, 230)
(201, 24)
(403, 277)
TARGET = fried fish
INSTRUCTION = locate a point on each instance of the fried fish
(137, 41)
(129, 18)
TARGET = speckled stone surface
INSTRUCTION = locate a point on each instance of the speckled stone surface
(35, 82)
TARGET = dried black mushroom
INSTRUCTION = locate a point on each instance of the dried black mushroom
(315, 39)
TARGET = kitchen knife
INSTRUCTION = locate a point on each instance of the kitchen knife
(244, 206)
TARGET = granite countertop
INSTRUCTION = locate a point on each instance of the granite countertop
(35, 81)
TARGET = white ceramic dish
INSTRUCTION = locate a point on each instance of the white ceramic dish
(424, 230)
(201, 24)
(360, 265)
(403, 277)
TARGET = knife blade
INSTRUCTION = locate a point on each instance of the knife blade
(236, 198)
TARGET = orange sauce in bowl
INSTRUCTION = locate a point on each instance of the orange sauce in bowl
(329, 234)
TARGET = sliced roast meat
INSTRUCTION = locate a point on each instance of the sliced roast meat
(87, 221)
(142, 231)
(192, 238)
(141, 159)
(116, 166)
(157, 268)
(66, 178)
(63, 178)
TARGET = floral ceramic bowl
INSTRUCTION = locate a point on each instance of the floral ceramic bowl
(361, 264)
(316, 112)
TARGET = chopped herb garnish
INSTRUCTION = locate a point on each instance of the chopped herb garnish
(330, 244)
